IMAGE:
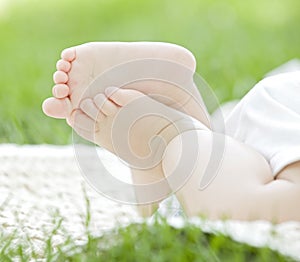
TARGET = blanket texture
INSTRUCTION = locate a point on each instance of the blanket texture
(37, 182)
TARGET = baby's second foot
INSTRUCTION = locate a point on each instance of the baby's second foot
(131, 125)
(81, 65)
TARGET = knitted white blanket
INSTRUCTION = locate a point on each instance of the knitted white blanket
(36, 181)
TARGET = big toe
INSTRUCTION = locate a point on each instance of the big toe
(57, 108)
(122, 97)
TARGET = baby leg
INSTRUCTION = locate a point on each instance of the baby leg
(243, 188)
(137, 129)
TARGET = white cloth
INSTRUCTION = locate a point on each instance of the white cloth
(268, 119)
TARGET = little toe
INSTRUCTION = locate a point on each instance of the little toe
(69, 54)
(122, 96)
(63, 65)
(106, 106)
(57, 108)
(60, 91)
(88, 106)
(80, 120)
(60, 77)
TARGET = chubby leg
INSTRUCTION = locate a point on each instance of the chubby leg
(244, 187)
(137, 129)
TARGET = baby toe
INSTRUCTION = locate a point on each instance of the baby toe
(81, 120)
(57, 108)
(63, 65)
(60, 91)
(106, 106)
(60, 77)
(69, 54)
(88, 107)
(122, 96)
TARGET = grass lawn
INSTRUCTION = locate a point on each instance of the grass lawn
(235, 42)
(156, 242)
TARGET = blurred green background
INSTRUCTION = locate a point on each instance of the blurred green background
(235, 42)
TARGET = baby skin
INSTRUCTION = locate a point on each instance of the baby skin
(79, 66)
(244, 187)
(145, 124)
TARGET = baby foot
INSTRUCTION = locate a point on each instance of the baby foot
(130, 125)
(81, 65)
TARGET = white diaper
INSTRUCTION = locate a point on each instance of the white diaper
(268, 119)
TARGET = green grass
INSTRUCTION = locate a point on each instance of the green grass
(162, 242)
(155, 242)
(235, 43)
